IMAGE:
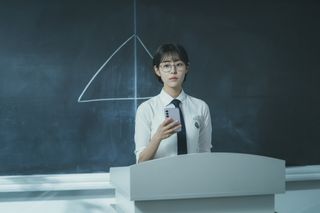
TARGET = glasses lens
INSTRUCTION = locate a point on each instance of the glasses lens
(167, 67)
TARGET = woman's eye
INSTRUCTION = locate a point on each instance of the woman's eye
(179, 64)
(166, 66)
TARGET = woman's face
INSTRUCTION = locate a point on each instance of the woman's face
(172, 71)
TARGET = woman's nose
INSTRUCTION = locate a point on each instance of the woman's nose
(173, 69)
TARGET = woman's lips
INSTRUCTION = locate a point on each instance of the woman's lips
(173, 78)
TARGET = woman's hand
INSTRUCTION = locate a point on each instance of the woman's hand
(167, 128)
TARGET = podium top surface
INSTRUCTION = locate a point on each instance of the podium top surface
(201, 175)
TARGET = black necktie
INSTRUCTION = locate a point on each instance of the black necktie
(182, 138)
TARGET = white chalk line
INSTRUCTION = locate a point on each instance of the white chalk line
(104, 64)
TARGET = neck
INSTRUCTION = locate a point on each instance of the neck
(173, 92)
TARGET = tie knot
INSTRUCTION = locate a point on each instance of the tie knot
(176, 102)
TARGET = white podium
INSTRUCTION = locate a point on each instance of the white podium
(201, 183)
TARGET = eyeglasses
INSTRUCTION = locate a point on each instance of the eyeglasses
(168, 67)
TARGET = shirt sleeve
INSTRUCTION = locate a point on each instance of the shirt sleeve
(206, 131)
(142, 129)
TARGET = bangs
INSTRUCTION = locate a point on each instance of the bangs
(170, 56)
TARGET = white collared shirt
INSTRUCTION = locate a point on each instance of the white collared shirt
(150, 114)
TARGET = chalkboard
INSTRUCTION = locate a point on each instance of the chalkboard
(74, 72)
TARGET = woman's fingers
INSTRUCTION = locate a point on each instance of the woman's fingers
(168, 128)
(172, 127)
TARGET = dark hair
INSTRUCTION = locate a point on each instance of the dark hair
(170, 49)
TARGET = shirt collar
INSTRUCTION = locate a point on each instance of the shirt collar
(166, 98)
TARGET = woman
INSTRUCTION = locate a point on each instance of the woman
(157, 136)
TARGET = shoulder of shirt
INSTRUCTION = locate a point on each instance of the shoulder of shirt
(198, 101)
(148, 103)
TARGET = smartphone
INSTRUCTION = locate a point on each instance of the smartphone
(174, 114)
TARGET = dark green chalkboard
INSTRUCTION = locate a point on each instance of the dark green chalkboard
(73, 72)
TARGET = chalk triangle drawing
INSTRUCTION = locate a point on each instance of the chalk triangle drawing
(127, 89)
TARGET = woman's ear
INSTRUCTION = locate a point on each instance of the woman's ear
(156, 70)
(187, 68)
